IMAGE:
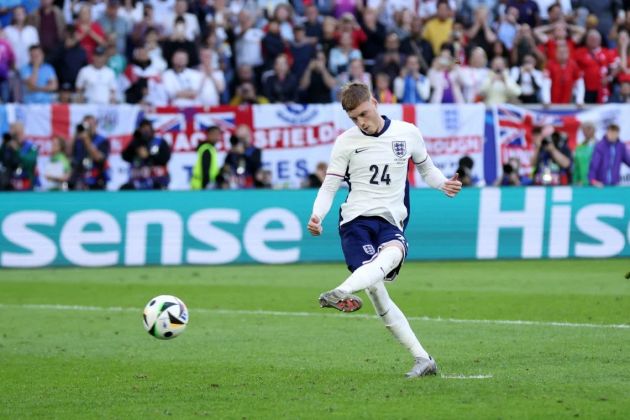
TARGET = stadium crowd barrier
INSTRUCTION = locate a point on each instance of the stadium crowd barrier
(295, 138)
(268, 226)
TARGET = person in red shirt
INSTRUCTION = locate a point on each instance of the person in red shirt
(564, 78)
(598, 65)
(348, 23)
(90, 34)
(550, 36)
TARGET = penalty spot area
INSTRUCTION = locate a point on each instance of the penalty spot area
(456, 376)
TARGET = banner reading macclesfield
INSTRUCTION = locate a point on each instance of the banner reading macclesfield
(222, 227)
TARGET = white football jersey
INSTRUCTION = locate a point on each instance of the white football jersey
(375, 167)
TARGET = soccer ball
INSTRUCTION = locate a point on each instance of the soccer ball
(165, 317)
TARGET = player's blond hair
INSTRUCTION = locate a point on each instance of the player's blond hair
(354, 94)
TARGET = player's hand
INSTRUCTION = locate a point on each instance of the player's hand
(452, 186)
(315, 225)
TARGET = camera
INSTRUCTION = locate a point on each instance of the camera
(80, 128)
(508, 169)
(559, 140)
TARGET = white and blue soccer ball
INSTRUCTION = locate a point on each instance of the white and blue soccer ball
(165, 317)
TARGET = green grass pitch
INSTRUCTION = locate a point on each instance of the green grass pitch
(257, 345)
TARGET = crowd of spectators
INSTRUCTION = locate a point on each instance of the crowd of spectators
(210, 52)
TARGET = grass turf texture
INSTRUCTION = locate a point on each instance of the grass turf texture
(231, 363)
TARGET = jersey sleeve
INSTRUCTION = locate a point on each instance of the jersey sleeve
(337, 166)
(419, 152)
(339, 159)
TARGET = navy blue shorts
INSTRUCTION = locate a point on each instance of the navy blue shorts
(362, 238)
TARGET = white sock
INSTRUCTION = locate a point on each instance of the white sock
(374, 271)
(395, 320)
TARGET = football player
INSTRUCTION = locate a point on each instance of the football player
(372, 158)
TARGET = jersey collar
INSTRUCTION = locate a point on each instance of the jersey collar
(383, 130)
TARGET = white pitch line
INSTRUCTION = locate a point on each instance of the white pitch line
(320, 315)
(466, 376)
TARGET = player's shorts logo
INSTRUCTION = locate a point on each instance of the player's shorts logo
(369, 249)
(400, 148)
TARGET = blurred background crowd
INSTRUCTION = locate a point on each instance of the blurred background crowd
(211, 52)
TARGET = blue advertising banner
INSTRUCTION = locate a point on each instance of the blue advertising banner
(222, 227)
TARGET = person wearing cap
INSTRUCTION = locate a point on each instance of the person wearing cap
(583, 153)
(206, 168)
(608, 156)
(96, 83)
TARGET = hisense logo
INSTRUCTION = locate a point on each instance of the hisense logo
(593, 229)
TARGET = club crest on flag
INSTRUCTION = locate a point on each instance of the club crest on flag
(400, 148)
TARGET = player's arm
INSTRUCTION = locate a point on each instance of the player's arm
(430, 173)
(326, 194)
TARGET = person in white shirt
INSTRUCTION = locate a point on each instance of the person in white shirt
(182, 84)
(248, 46)
(213, 82)
(191, 24)
(475, 74)
(21, 37)
(499, 88)
(96, 83)
(529, 79)
(373, 158)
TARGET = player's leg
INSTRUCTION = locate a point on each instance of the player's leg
(356, 243)
(396, 322)
(387, 260)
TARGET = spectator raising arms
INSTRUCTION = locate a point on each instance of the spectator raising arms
(564, 83)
